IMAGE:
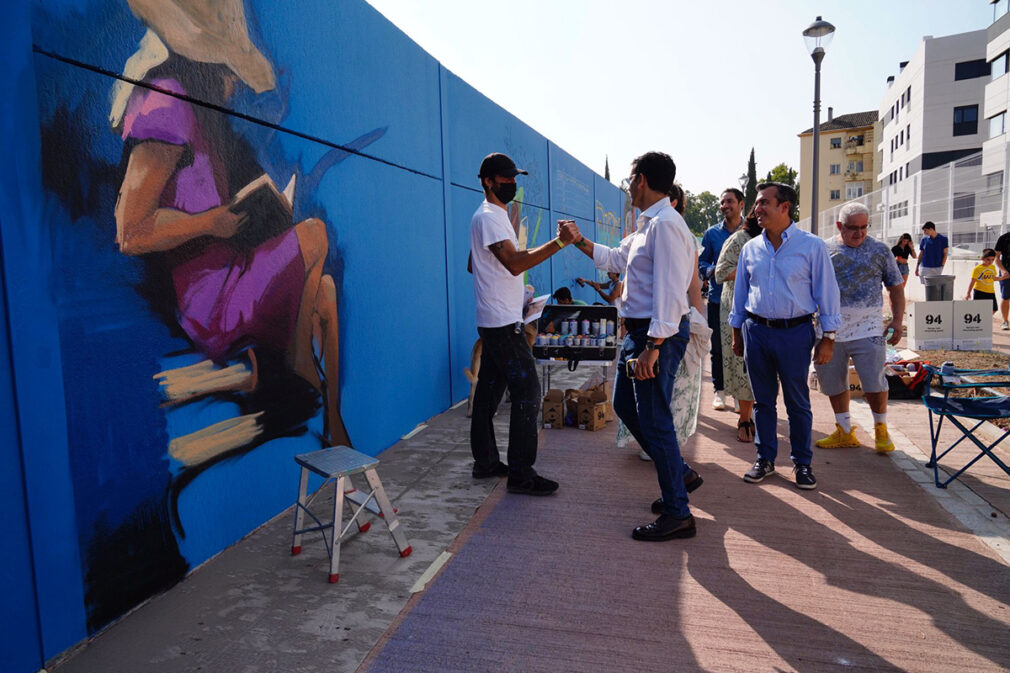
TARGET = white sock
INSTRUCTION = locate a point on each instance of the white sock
(879, 418)
(845, 421)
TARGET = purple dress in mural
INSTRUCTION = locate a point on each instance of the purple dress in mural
(227, 297)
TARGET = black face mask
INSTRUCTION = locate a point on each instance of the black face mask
(504, 191)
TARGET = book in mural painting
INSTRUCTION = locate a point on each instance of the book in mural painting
(269, 211)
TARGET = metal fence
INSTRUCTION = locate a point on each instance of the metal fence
(969, 208)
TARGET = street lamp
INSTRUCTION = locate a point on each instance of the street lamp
(817, 36)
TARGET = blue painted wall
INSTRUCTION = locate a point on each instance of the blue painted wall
(386, 144)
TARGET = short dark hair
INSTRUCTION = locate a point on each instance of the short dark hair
(658, 170)
(988, 252)
(563, 293)
(783, 193)
(677, 192)
(734, 191)
(929, 225)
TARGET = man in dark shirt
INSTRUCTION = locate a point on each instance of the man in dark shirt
(1002, 248)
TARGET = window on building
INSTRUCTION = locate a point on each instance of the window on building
(964, 205)
(997, 125)
(835, 169)
(994, 183)
(836, 143)
(901, 137)
(966, 120)
(971, 69)
(901, 173)
(853, 191)
(907, 171)
(908, 133)
(998, 66)
(836, 194)
(855, 167)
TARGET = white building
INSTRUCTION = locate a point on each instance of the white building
(995, 158)
(930, 116)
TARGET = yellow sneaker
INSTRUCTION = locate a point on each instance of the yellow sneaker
(882, 443)
(839, 439)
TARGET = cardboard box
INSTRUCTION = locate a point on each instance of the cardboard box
(554, 409)
(972, 325)
(608, 395)
(592, 409)
(930, 325)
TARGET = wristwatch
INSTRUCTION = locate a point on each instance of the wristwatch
(828, 335)
(651, 345)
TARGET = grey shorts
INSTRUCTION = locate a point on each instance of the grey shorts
(868, 357)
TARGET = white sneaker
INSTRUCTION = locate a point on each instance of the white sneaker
(1005, 326)
(718, 403)
(642, 455)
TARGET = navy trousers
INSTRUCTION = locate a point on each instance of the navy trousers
(773, 355)
(644, 407)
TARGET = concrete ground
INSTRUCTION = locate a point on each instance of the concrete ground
(256, 608)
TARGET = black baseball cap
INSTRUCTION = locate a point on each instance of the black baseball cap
(498, 164)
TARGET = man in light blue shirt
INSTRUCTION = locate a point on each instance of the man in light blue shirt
(783, 277)
(731, 205)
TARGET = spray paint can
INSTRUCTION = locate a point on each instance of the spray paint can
(585, 327)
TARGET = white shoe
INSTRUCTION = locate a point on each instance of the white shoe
(1005, 326)
(642, 455)
(718, 403)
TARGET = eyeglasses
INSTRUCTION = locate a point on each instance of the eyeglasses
(862, 228)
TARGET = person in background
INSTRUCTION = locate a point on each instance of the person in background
(861, 265)
(1002, 248)
(564, 296)
(733, 366)
(609, 291)
(731, 205)
(902, 251)
(983, 277)
(933, 251)
(783, 277)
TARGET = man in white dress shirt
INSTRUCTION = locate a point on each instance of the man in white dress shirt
(659, 259)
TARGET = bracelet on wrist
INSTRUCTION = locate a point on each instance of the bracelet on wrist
(560, 244)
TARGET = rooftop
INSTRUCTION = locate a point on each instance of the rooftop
(847, 121)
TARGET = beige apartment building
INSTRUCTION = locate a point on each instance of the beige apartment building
(847, 160)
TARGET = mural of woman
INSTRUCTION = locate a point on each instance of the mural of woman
(177, 205)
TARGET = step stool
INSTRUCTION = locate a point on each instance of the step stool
(339, 463)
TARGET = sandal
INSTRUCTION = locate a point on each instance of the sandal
(745, 431)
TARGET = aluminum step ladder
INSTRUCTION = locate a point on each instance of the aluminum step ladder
(337, 464)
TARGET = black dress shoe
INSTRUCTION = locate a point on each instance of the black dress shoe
(666, 527)
(692, 480)
(499, 470)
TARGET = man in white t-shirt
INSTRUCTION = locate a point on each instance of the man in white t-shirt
(497, 265)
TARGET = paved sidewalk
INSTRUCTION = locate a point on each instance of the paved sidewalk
(875, 570)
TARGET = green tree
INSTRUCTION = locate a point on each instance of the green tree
(701, 211)
(784, 174)
(750, 192)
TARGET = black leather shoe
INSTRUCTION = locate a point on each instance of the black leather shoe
(762, 468)
(692, 480)
(535, 485)
(499, 470)
(666, 527)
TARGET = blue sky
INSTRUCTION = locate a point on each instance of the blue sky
(704, 81)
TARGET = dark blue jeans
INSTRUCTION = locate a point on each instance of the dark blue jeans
(713, 322)
(774, 355)
(644, 406)
(506, 362)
